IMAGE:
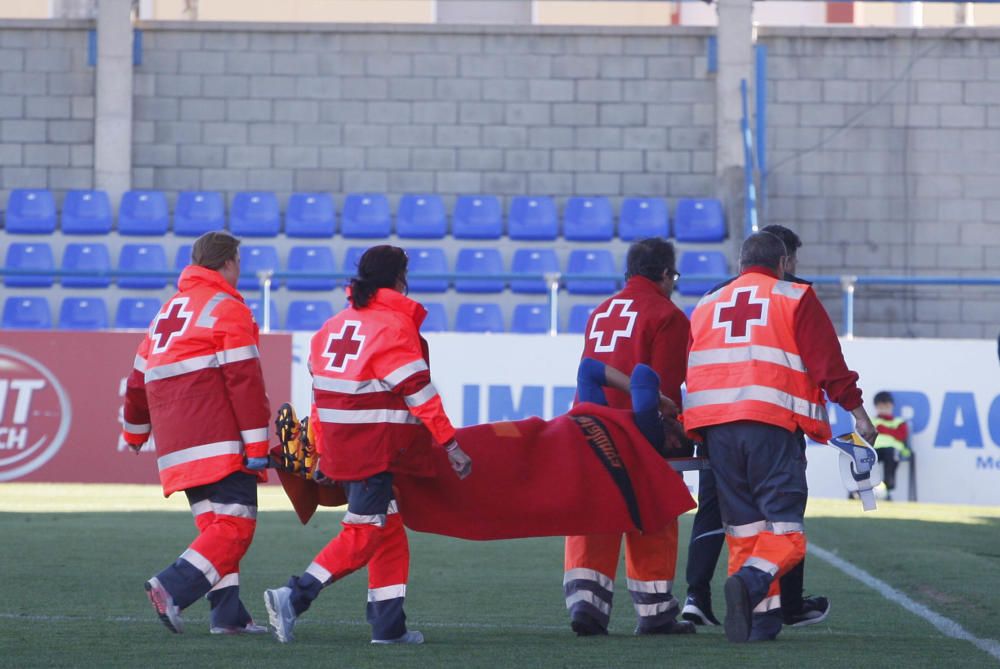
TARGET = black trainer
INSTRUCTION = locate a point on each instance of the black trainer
(698, 610)
(586, 626)
(739, 615)
(814, 610)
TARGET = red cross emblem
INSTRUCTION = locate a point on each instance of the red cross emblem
(614, 322)
(170, 323)
(740, 314)
(343, 346)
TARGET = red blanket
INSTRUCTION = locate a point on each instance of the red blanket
(588, 472)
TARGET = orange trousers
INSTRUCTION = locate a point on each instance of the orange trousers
(591, 563)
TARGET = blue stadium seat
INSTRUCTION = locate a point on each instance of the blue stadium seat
(257, 308)
(479, 317)
(578, 317)
(533, 261)
(532, 218)
(143, 212)
(427, 261)
(87, 257)
(421, 216)
(198, 212)
(255, 214)
(83, 313)
(308, 315)
(136, 313)
(29, 256)
(311, 260)
(183, 257)
(477, 217)
(643, 217)
(699, 221)
(530, 319)
(255, 259)
(145, 257)
(366, 215)
(30, 212)
(353, 257)
(23, 312)
(701, 262)
(479, 261)
(86, 212)
(310, 215)
(598, 261)
(437, 319)
(588, 219)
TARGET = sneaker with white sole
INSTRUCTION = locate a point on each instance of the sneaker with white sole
(250, 628)
(814, 610)
(413, 636)
(280, 613)
(698, 610)
(164, 605)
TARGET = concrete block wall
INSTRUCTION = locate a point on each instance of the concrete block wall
(451, 110)
(883, 157)
(46, 107)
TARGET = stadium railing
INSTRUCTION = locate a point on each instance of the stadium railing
(556, 282)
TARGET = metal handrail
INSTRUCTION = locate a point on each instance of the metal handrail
(555, 282)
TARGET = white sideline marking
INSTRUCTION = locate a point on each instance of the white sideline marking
(309, 621)
(946, 626)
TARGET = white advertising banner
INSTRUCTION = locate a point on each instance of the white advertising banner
(948, 390)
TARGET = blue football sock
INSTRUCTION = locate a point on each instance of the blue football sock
(590, 382)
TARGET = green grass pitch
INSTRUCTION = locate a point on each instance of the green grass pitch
(73, 559)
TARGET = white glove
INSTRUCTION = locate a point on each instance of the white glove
(460, 462)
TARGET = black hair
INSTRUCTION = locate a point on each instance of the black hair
(650, 258)
(764, 249)
(884, 397)
(380, 267)
(789, 238)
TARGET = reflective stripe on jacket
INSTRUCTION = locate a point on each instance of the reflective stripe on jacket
(372, 392)
(887, 430)
(744, 362)
(197, 385)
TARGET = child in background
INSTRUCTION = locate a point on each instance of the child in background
(892, 443)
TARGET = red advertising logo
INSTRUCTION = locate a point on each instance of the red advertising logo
(35, 414)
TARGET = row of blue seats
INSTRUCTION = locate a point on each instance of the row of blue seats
(365, 215)
(91, 313)
(95, 258)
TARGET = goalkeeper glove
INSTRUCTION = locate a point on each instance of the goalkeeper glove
(460, 462)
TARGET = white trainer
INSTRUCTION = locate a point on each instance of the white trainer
(413, 636)
(164, 605)
(250, 628)
(280, 613)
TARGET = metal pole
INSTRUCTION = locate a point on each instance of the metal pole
(265, 279)
(847, 285)
(553, 280)
(760, 91)
(750, 202)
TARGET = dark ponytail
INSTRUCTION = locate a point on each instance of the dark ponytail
(380, 267)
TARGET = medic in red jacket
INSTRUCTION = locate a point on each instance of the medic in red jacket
(638, 325)
(375, 413)
(198, 389)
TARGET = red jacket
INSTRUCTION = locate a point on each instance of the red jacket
(197, 385)
(640, 325)
(373, 399)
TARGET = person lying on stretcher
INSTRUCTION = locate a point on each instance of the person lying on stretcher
(592, 470)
